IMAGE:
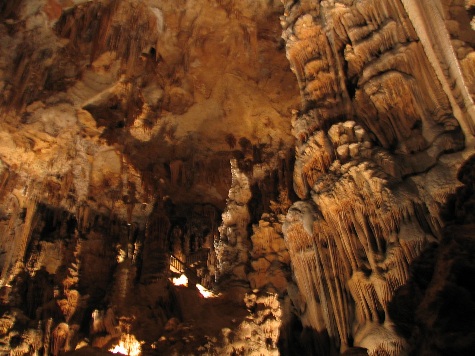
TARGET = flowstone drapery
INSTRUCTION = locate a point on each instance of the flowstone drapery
(376, 120)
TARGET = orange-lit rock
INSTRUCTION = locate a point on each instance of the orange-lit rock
(300, 161)
(377, 119)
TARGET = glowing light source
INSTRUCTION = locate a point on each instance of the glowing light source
(119, 349)
(206, 292)
(128, 345)
(181, 281)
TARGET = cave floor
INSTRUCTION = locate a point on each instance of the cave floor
(200, 325)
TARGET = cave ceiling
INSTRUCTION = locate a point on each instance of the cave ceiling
(134, 99)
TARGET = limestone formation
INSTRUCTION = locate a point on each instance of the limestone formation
(377, 117)
(232, 246)
(308, 164)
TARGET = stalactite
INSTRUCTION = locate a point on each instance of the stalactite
(176, 171)
(425, 15)
(59, 339)
(20, 229)
(349, 261)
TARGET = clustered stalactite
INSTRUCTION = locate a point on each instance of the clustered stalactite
(375, 115)
(73, 275)
(120, 118)
(58, 266)
(434, 310)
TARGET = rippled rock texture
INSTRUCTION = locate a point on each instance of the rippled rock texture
(387, 94)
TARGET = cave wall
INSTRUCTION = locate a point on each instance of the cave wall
(311, 160)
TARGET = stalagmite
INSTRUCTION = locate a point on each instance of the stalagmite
(59, 340)
(233, 243)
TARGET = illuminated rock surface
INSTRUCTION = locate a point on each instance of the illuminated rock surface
(308, 162)
(385, 95)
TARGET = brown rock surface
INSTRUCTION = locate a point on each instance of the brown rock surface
(118, 123)
(140, 140)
